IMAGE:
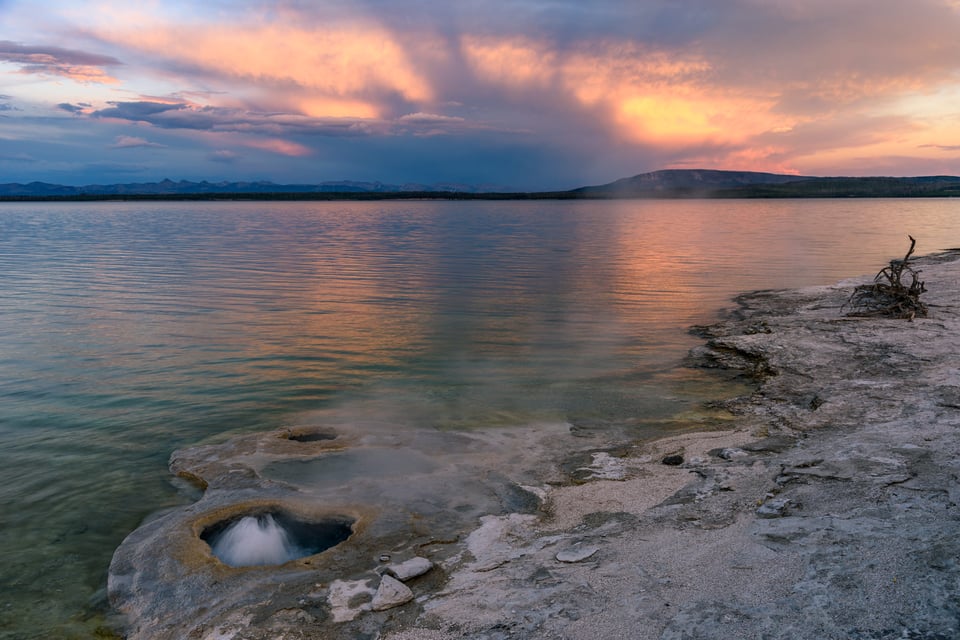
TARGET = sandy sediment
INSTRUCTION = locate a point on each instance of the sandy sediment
(828, 510)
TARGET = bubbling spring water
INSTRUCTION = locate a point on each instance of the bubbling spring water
(274, 537)
(256, 540)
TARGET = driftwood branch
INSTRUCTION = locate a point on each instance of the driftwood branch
(889, 296)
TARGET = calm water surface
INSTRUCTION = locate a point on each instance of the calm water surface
(128, 330)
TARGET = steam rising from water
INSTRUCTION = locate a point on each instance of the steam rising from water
(255, 540)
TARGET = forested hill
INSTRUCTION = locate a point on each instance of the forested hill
(697, 183)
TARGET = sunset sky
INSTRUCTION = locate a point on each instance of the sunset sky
(531, 94)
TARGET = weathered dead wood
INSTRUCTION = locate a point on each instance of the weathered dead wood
(888, 296)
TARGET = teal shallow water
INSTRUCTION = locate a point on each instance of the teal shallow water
(128, 330)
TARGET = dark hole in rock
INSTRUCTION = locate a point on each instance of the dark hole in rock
(312, 436)
(272, 537)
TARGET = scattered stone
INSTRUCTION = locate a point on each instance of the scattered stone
(410, 569)
(391, 593)
(576, 553)
(732, 453)
(673, 460)
(775, 508)
(384, 558)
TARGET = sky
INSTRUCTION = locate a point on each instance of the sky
(522, 94)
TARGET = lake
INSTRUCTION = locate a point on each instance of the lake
(128, 330)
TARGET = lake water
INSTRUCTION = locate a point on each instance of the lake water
(128, 330)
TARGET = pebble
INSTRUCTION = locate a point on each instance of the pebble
(411, 568)
(576, 554)
(391, 593)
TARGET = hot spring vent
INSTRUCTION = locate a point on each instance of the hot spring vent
(273, 537)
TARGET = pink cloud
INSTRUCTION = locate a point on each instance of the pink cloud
(80, 66)
(276, 145)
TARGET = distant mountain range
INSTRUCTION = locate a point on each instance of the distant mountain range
(669, 183)
(186, 187)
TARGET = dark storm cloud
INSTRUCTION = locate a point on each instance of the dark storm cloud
(653, 21)
(142, 111)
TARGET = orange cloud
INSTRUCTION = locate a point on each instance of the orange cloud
(518, 62)
(647, 96)
(323, 107)
(329, 71)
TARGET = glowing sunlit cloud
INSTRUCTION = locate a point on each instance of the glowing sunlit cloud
(331, 71)
(647, 96)
(666, 120)
(322, 107)
(278, 146)
(518, 62)
(617, 67)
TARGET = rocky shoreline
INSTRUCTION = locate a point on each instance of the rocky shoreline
(829, 510)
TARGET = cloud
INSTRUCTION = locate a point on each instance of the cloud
(131, 142)
(329, 69)
(76, 109)
(224, 155)
(756, 84)
(17, 158)
(141, 111)
(281, 147)
(941, 147)
(428, 118)
(69, 63)
(180, 115)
